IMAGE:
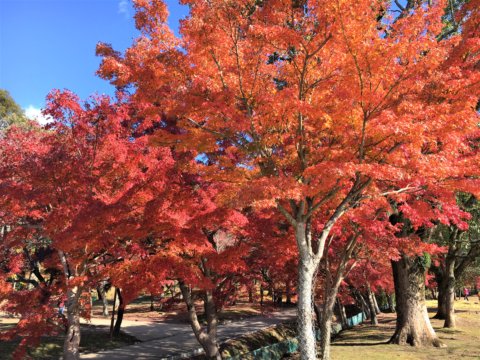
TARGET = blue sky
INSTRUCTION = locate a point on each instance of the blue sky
(47, 44)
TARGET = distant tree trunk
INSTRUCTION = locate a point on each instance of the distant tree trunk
(103, 296)
(375, 304)
(120, 312)
(362, 303)
(391, 304)
(261, 294)
(413, 325)
(207, 338)
(370, 301)
(250, 294)
(152, 302)
(288, 293)
(340, 313)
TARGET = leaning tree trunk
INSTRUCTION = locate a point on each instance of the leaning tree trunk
(371, 306)
(120, 312)
(375, 304)
(339, 310)
(413, 325)
(326, 329)
(208, 338)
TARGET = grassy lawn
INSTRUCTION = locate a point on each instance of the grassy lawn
(94, 339)
(365, 341)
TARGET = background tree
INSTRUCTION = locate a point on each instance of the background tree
(10, 111)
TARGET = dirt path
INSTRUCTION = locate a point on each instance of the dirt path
(165, 339)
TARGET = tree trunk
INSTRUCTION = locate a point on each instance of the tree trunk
(325, 336)
(413, 325)
(391, 304)
(288, 293)
(103, 296)
(362, 304)
(250, 294)
(450, 291)
(340, 312)
(326, 320)
(208, 338)
(441, 299)
(306, 334)
(371, 306)
(152, 302)
(261, 295)
(120, 312)
(375, 304)
(71, 343)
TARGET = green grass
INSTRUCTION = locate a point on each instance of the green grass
(93, 339)
(365, 341)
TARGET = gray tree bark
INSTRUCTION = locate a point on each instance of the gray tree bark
(71, 343)
(449, 297)
(371, 306)
(391, 304)
(207, 338)
(413, 324)
(103, 296)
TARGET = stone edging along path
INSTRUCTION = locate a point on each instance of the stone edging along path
(274, 351)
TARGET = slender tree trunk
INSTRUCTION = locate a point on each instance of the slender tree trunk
(208, 338)
(112, 320)
(413, 325)
(152, 302)
(362, 303)
(391, 304)
(288, 293)
(450, 292)
(371, 306)
(325, 336)
(340, 312)
(120, 312)
(103, 296)
(375, 304)
(318, 314)
(261, 294)
(441, 298)
(326, 319)
(71, 342)
(250, 294)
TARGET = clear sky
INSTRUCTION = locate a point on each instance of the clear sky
(47, 44)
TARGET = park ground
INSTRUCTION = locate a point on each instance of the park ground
(362, 342)
(366, 341)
